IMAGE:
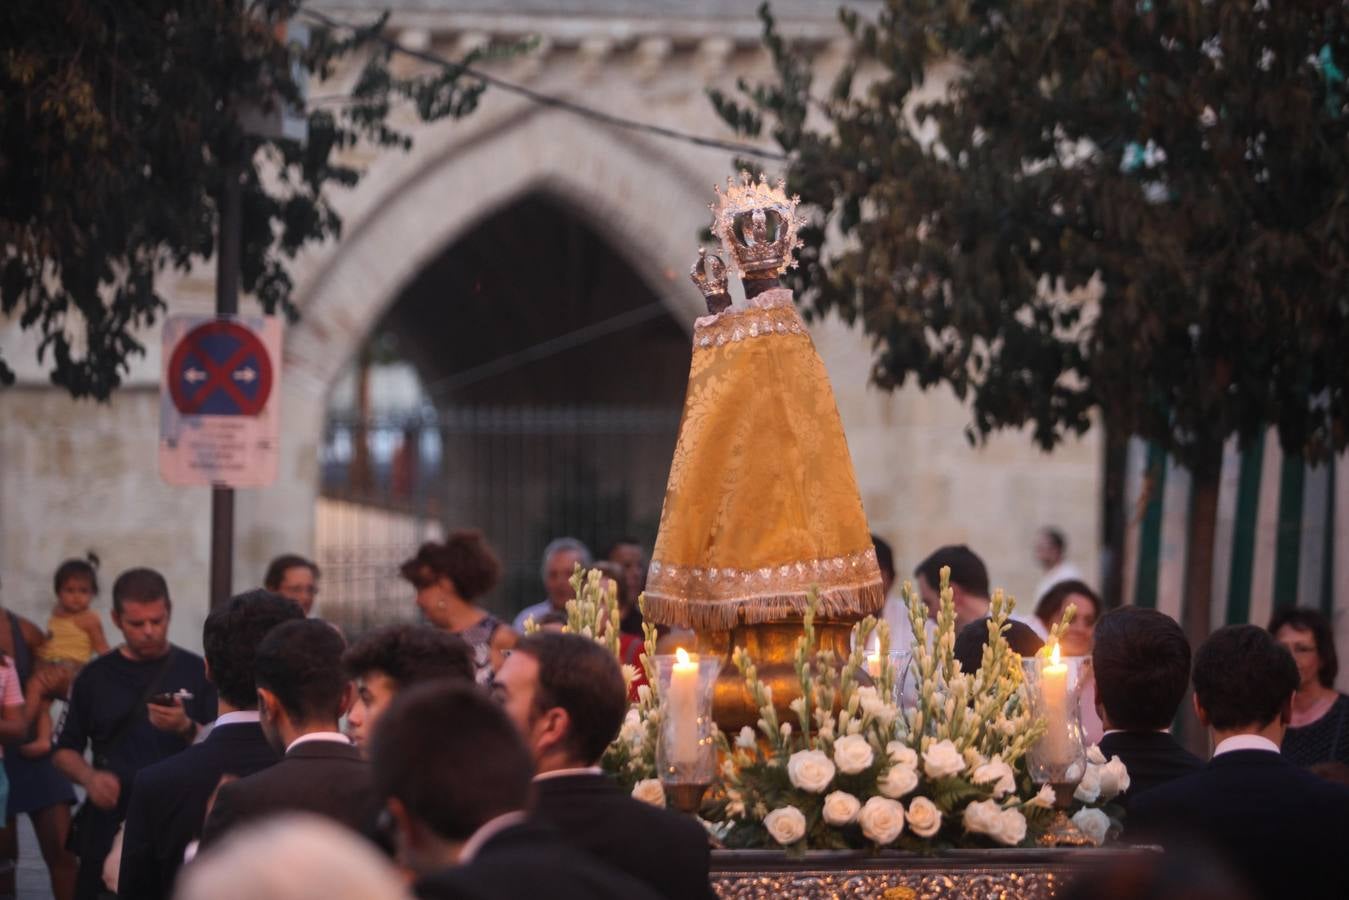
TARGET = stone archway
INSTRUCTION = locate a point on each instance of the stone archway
(648, 205)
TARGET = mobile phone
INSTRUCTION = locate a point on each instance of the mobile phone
(169, 698)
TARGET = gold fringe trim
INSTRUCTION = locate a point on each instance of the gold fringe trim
(847, 601)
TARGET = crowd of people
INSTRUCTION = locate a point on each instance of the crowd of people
(459, 757)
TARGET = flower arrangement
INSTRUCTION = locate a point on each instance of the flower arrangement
(851, 769)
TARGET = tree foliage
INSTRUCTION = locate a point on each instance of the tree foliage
(1136, 207)
(118, 125)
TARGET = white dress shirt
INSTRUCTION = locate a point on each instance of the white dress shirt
(1245, 742)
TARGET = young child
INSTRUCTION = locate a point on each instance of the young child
(74, 634)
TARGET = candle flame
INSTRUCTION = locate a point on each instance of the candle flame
(1054, 655)
(682, 655)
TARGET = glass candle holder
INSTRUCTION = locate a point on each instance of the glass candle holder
(685, 751)
(1054, 686)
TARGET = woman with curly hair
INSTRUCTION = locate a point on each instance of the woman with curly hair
(449, 579)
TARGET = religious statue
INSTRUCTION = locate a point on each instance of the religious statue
(762, 503)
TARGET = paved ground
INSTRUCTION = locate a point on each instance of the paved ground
(32, 875)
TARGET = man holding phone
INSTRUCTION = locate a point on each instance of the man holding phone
(135, 705)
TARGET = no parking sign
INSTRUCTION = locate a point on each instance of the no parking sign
(218, 401)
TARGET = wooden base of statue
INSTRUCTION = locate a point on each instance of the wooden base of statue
(772, 646)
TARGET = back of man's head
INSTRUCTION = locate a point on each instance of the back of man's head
(139, 586)
(410, 654)
(584, 679)
(1141, 661)
(301, 663)
(230, 639)
(481, 766)
(1243, 677)
(885, 560)
(971, 640)
(968, 571)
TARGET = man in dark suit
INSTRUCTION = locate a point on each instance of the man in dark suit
(302, 692)
(461, 825)
(1141, 661)
(389, 659)
(565, 694)
(168, 799)
(1280, 827)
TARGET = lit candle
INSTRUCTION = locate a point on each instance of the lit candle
(683, 710)
(1054, 692)
(874, 663)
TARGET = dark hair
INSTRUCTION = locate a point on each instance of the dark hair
(967, 569)
(1141, 662)
(1050, 607)
(482, 768)
(581, 677)
(1056, 538)
(1243, 677)
(139, 586)
(230, 641)
(624, 542)
(885, 557)
(1312, 620)
(86, 568)
(970, 642)
(277, 568)
(410, 654)
(465, 558)
(301, 663)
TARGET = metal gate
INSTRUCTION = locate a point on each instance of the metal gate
(522, 474)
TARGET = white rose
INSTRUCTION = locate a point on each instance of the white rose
(786, 825)
(1089, 788)
(998, 772)
(984, 817)
(810, 770)
(852, 754)
(924, 817)
(902, 754)
(1011, 828)
(1093, 823)
(746, 738)
(882, 820)
(840, 808)
(1074, 772)
(1095, 756)
(1114, 778)
(649, 790)
(897, 782)
(942, 759)
(1045, 799)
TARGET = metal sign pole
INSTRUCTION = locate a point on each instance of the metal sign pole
(226, 304)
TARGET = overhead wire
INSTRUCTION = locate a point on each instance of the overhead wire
(549, 100)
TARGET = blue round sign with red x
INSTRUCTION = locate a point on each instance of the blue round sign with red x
(220, 369)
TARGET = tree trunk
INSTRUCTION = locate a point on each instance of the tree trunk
(1197, 616)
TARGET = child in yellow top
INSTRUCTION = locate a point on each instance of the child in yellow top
(74, 634)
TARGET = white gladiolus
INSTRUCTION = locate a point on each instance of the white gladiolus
(1045, 799)
(746, 739)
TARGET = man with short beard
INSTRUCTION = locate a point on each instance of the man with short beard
(135, 705)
